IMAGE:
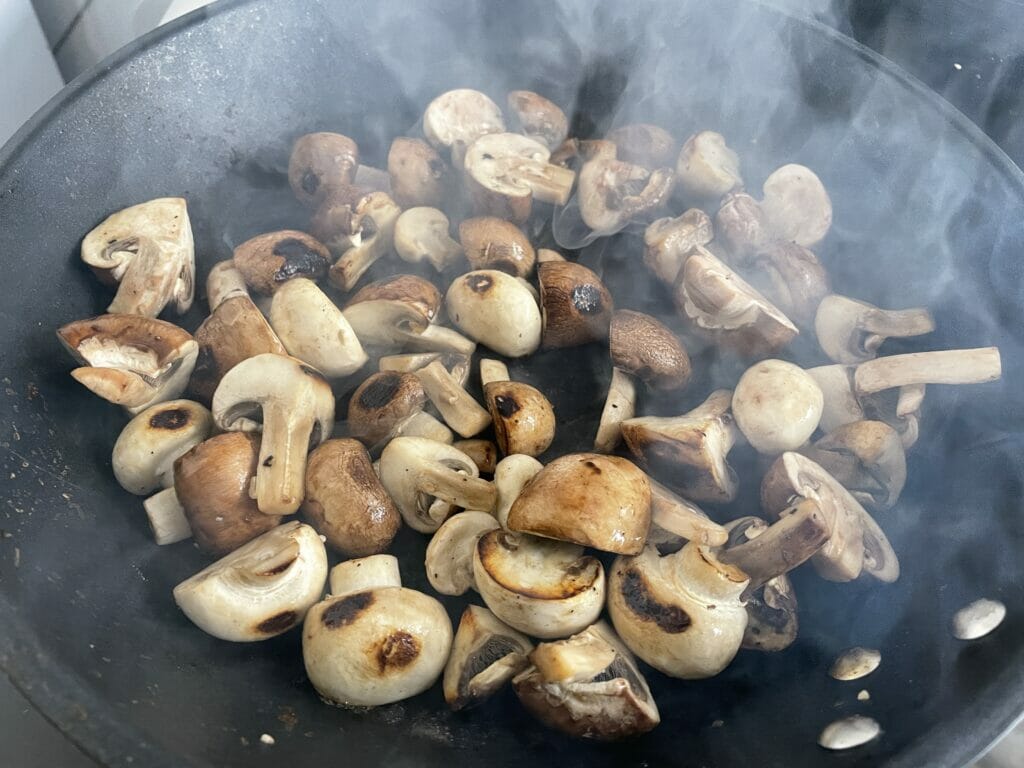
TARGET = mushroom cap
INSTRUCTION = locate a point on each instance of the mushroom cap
(741, 226)
(538, 118)
(382, 402)
(576, 306)
(707, 167)
(851, 331)
(271, 259)
(419, 176)
(667, 242)
(611, 193)
(449, 557)
(459, 117)
(319, 163)
(644, 144)
(145, 451)
(485, 655)
(598, 501)
(645, 347)
(497, 310)
(345, 500)
(796, 205)
(867, 458)
(493, 243)
(212, 484)
(375, 647)
(260, 590)
(524, 421)
(421, 234)
(510, 477)
(419, 300)
(792, 277)
(777, 406)
(841, 404)
(541, 587)
(339, 221)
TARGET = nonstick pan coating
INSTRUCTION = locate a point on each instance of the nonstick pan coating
(927, 212)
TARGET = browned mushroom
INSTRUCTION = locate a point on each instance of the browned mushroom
(381, 403)
(268, 260)
(612, 192)
(370, 237)
(319, 163)
(575, 304)
(643, 346)
(707, 167)
(419, 176)
(524, 421)
(667, 242)
(790, 276)
(740, 226)
(493, 243)
(538, 118)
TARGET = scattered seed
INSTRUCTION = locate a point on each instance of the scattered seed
(855, 663)
(849, 732)
(978, 619)
(863, 695)
(267, 739)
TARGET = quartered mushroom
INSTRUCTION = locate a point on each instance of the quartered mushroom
(497, 310)
(345, 500)
(373, 641)
(612, 192)
(457, 407)
(851, 331)
(619, 405)
(790, 276)
(644, 144)
(576, 306)
(867, 458)
(511, 475)
(598, 501)
(855, 663)
(130, 360)
(292, 404)
(524, 421)
(314, 330)
(260, 590)
(645, 347)
(147, 251)
(456, 118)
(419, 176)
(421, 235)
(486, 654)
(668, 242)
(267, 261)
(382, 403)
(319, 163)
(370, 236)
(416, 472)
(796, 205)
(224, 282)
(541, 587)
(449, 557)
(493, 243)
(484, 453)
(707, 167)
(777, 406)
(689, 452)
(680, 612)
(537, 118)
(588, 686)
(680, 517)
(741, 227)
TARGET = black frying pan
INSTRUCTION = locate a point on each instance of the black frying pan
(928, 211)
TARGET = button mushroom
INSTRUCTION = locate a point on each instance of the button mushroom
(269, 260)
(260, 590)
(456, 118)
(493, 243)
(381, 403)
(541, 587)
(373, 641)
(668, 242)
(645, 347)
(373, 230)
(147, 250)
(612, 192)
(486, 654)
(419, 176)
(588, 686)
(576, 306)
(524, 421)
(129, 360)
(707, 167)
(319, 163)
(297, 409)
(449, 557)
(644, 144)
(510, 477)
(619, 405)
(537, 118)
(496, 310)
(867, 458)
(457, 407)
(598, 501)
(796, 205)
(851, 331)
(777, 406)
(840, 403)
(224, 282)
(421, 234)
(345, 500)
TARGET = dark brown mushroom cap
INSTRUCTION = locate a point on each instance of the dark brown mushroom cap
(524, 421)
(268, 260)
(382, 402)
(538, 117)
(346, 502)
(791, 277)
(644, 144)
(493, 243)
(409, 290)
(419, 175)
(741, 227)
(212, 484)
(643, 346)
(576, 305)
(319, 163)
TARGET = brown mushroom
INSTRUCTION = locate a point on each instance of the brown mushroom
(790, 276)
(538, 118)
(644, 144)
(319, 163)
(524, 421)
(484, 453)
(611, 192)
(372, 236)
(643, 346)
(381, 403)
(576, 306)
(419, 176)
(668, 242)
(493, 243)
(867, 458)
(268, 260)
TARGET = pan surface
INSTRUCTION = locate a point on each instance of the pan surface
(927, 213)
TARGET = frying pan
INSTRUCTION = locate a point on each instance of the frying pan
(927, 213)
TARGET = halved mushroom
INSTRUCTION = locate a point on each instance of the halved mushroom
(314, 330)
(644, 144)
(484, 453)
(458, 365)
(319, 163)
(644, 346)
(455, 119)
(537, 118)
(867, 458)
(668, 242)
(493, 243)
(681, 612)
(689, 452)
(297, 409)
(543, 588)
(421, 234)
(148, 250)
(619, 405)
(707, 167)
(383, 402)
(588, 686)
(486, 654)
(576, 306)
(449, 557)
(130, 360)
(345, 500)
(374, 216)
(373, 641)
(224, 282)
(524, 421)
(796, 205)
(269, 260)
(457, 407)
(777, 406)
(419, 176)
(260, 590)
(416, 471)
(715, 299)
(511, 475)
(613, 192)
(851, 331)
(506, 171)
(497, 310)
(680, 517)
(791, 276)
(741, 227)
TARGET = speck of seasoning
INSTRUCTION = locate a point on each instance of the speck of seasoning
(267, 739)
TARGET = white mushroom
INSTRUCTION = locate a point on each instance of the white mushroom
(796, 205)
(951, 366)
(510, 477)
(421, 234)
(449, 558)
(456, 118)
(707, 167)
(524, 421)
(145, 451)
(840, 404)
(777, 406)
(851, 331)
(619, 405)
(486, 654)
(457, 407)
(376, 214)
(496, 310)
(224, 282)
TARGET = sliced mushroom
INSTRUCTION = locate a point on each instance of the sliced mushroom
(319, 163)
(851, 331)
(416, 471)
(707, 167)
(681, 612)
(457, 407)
(689, 452)
(537, 118)
(792, 277)
(510, 477)
(493, 243)
(147, 249)
(376, 215)
(297, 409)
(613, 192)
(541, 587)
(346, 502)
(484, 453)
(419, 176)
(486, 654)
(496, 310)
(260, 590)
(449, 558)
(645, 347)
(619, 405)
(129, 360)
(224, 282)
(867, 458)
(718, 301)
(212, 485)
(680, 517)
(382, 403)
(374, 643)
(524, 421)
(455, 119)
(951, 366)
(796, 205)
(668, 242)
(598, 501)
(421, 234)
(777, 406)
(588, 686)
(393, 312)
(269, 260)
(741, 227)
(644, 144)
(314, 330)
(576, 306)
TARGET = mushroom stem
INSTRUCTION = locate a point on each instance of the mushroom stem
(422, 424)
(438, 338)
(279, 483)
(224, 282)
(678, 516)
(619, 405)
(457, 407)
(167, 517)
(548, 183)
(454, 487)
(493, 371)
(364, 573)
(951, 366)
